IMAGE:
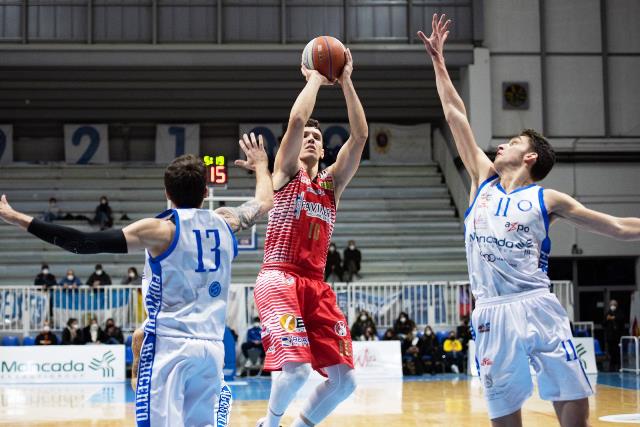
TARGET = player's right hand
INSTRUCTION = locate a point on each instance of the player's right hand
(439, 33)
(254, 150)
(314, 74)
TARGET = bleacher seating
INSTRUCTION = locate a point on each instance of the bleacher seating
(10, 341)
(401, 218)
(28, 341)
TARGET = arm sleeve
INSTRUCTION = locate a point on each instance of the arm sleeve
(79, 242)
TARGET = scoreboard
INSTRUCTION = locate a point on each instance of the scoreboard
(216, 170)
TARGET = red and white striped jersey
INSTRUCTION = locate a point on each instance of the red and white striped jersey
(301, 224)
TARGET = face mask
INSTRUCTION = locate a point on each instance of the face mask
(612, 307)
(332, 249)
(403, 319)
(363, 317)
(74, 326)
(69, 276)
(452, 337)
(45, 271)
(428, 333)
(256, 324)
(46, 329)
(132, 274)
(352, 247)
(94, 327)
(99, 272)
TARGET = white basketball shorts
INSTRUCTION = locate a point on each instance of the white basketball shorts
(516, 330)
(179, 380)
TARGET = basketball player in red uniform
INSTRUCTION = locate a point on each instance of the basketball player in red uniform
(303, 328)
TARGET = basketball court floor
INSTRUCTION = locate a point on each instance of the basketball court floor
(442, 400)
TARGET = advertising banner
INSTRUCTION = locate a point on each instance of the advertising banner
(70, 364)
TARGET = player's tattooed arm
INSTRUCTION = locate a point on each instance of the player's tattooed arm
(243, 216)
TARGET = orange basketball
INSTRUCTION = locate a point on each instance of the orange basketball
(326, 55)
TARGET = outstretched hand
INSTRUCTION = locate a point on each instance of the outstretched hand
(439, 33)
(254, 150)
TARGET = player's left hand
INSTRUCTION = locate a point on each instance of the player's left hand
(254, 150)
(348, 67)
(6, 211)
(434, 44)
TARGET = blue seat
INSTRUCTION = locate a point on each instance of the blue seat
(442, 335)
(10, 341)
(596, 348)
(28, 341)
(128, 355)
(128, 341)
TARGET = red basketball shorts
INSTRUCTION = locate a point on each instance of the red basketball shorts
(301, 321)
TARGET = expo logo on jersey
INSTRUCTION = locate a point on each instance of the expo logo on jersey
(291, 323)
(515, 226)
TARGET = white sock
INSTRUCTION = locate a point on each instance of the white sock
(324, 399)
(284, 389)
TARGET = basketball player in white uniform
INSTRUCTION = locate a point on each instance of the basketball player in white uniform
(189, 251)
(517, 320)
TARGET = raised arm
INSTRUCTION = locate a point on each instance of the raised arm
(563, 206)
(478, 165)
(349, 155)
(286, 164)
(245, 215)
(153, 234)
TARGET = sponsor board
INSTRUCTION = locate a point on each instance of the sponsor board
(70, 364)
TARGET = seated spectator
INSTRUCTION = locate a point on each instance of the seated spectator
(53, 211)
(113, 333)
(70, 281)
(93, 333)
(403, 325)
(351, 264)
(45, 278)
(370, 334)
(132, 277)
(411, 362)
(104, 215)
(453, 354)
(71, 335)
(46, 337)
(254, 340)
(360, 326)
(430, 353)
(333, 267)
(390, 335)
(98, 278)
(464, 333)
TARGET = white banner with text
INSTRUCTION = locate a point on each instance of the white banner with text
(68, 363)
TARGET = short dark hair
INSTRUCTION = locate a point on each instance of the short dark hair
(313, 123)
(185, 180)
(546, 155)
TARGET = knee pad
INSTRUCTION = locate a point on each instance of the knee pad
(343, 384)
(295, 374)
